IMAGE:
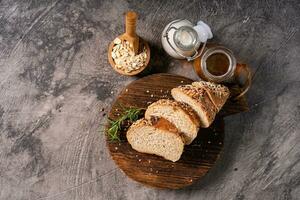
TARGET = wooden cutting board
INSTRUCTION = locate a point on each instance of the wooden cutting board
(197, 159)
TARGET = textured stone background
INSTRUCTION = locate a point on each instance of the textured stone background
(56, 86)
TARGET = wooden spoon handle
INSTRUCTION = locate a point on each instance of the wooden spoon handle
(130, 22)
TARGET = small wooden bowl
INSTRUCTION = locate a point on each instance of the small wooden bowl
(135, 72)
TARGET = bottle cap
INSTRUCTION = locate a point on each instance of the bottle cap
(203, 31)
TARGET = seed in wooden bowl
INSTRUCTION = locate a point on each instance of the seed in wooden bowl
(124, 57)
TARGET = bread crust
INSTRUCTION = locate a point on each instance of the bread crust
(191, 119)
(158, 123)
(178, 105)
(217, 93)
(201, 98)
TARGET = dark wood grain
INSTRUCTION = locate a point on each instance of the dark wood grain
(153, 170)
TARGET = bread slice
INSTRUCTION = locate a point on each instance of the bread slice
(158, 137)
(179, 114)
(199, 100)
(218, 93)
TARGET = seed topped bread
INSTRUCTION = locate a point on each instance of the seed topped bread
(218, 93)
(156, 136)
(199, 100)
(179, 114)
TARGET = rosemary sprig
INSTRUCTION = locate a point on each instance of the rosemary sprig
(131, 114)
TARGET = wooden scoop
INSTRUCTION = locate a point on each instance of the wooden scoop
(130, 34)
(134, 40)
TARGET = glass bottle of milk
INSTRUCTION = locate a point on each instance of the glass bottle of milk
(181, 39)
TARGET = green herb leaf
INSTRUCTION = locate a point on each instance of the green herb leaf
(131, 114)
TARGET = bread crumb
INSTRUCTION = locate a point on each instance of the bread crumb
(112, 92)
(147, 91)
(126, 90)
(152, 95)
(151, 169)
(140, 160)
(191, 180)
(149, 161)
(116, 148)
(136, 156)
(156, 171)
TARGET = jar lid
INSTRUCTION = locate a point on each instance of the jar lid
(186, 38)
(203, 31)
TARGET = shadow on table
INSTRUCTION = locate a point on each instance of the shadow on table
(159, 61)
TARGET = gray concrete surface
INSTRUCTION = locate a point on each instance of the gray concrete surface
(56, 86)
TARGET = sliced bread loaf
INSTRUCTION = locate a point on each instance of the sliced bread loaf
(179, 114)
(157, 136)
(199, 100)
(218, 93)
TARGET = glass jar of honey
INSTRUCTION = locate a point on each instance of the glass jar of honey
(218, 64)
